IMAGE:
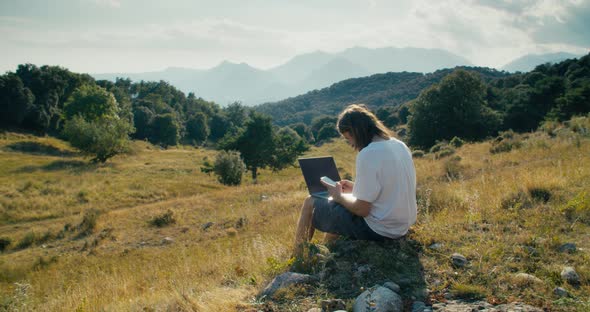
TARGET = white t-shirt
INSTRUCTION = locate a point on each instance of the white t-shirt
(385, 177)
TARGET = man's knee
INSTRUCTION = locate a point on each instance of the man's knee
(308, 205)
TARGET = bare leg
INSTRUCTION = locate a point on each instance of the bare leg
(329, 238)
(305, 229)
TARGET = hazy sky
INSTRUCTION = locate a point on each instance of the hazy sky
(98, 36)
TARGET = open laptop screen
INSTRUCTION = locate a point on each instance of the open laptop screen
(315, 168)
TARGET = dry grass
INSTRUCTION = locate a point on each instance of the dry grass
(124, 263)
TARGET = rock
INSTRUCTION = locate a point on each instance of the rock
(570, 275)
(560, 292)
(206, 226)
(167, 240)
(284, 280)
(315, 310)
(378, 299)
(333, 305)
(568, 247)
(393, 286)
(418, 306)
(436, 246)
(458, 260)
(527, 279)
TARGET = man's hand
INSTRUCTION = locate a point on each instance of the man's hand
(347, 186)
(334, 191)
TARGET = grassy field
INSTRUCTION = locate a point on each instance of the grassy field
(80, 236)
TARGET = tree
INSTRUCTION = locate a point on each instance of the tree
(15, 100)
(197, 128)
(142, 120)
(455, 107)
(218, 126)
(91, 102)
(261, 148)
(166, 130)
(102, 138)
(236, 114)
(288, 145)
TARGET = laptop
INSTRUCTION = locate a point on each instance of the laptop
(313, 169)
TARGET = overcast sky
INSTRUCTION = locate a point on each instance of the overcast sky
(98, 36)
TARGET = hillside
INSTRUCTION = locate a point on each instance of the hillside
(528, 62)
(82, 236)
(380, 90)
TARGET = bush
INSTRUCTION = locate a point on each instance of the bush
(505, 142)
(578, 209)
(88, 223)
(103, 138)
(517, 200)
(229, 167)
(163, 220)
(457, 142)
(453, 169)
(418, 154)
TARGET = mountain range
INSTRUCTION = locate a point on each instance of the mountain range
(229, 82)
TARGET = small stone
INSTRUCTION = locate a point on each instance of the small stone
(570, 275)
(568, 247)
(458, 260)
(436, 246)
(524, 278)
(393, 286)
(314, 310)
(418, 306)
(560, 292)
(206, 226)
(333, 304)
(167, 240)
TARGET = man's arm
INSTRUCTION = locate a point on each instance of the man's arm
(355, 206)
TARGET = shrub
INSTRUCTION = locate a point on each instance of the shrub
(438, 146)
(505, 142)
(465, 291)
(453, 169)
(540, 194)
(418, 154)
(103, 138)
(444, 152)
(517, 200)
(578, 209)
(229, 167)
(4, 243)
(88, 223)
(164, 219)
(457, 142)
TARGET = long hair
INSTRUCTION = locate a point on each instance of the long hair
(362, 125)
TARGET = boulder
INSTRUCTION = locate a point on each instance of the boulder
(560, 292)
(393, 286)
(378, 299)
(568, 247)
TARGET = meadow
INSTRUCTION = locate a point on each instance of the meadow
(149, 231)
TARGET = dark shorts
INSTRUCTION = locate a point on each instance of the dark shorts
(331, 217)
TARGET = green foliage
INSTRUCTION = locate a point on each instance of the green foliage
(142, 120)
(102, 138)
(197, 128)
(15, 100)
(163, 220)
(455, 107)
(229, 167)
(261, 147)
(165, 130)
(453, 168)
(457, 142)
(91, 102)
(303, 131)
(324, 127)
